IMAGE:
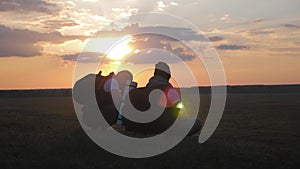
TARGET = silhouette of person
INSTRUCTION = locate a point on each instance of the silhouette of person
(162, 75)
(160, 79)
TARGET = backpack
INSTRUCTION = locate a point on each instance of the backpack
(104, 99)
(83, 94)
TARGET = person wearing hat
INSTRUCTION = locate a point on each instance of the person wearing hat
(162, 75)
(140, 100)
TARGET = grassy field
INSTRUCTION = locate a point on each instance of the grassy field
(257, 131)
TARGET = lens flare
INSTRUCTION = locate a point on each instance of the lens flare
(180, 105)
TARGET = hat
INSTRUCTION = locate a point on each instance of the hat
(163, 67)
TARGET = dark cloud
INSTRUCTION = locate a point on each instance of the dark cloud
(286, 49)
(54, 24)
(269, 30)
(297, 43)
(159, 45)
(183, 54)
(29, 6)
(215, 38)
(158, 38)
(84, 57)
(146, 41)
(291, 26)
(174, 33)
(155, 55)
(19, 42)
(231, 47)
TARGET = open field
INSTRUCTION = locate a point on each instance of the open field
(258, 130)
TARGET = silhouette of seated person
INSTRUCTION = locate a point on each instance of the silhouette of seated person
(140, 100)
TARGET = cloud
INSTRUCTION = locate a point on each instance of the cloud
(174, 3)
(161, 38)
(155, 55)
(225, 18)
(157, 38)
(272, 31)
(181, 33)
(146, 41)
(161, 5)
(158, 47)
(25, 43)
(57, 17)
(286, 49)
(84, 57)
(29, 6)
(215, 38)
(262, 32)
(231, 47)
(297, 43)
(259, 21)
(183, 54)
(54, 23)
(258, 31)
(291, 26)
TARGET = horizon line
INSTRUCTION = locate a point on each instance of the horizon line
(229, 85)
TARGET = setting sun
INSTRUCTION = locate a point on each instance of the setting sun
(120, 50)
(115, 48)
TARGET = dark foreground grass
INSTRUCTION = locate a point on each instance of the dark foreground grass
(256, 131)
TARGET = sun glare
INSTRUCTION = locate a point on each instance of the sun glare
(115, 48)
(120, 50)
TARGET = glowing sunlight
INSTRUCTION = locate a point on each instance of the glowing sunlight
(120, 50)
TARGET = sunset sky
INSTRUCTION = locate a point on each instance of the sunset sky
(257, 41)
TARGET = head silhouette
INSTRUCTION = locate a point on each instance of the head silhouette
(163, 70)
(123, 76)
